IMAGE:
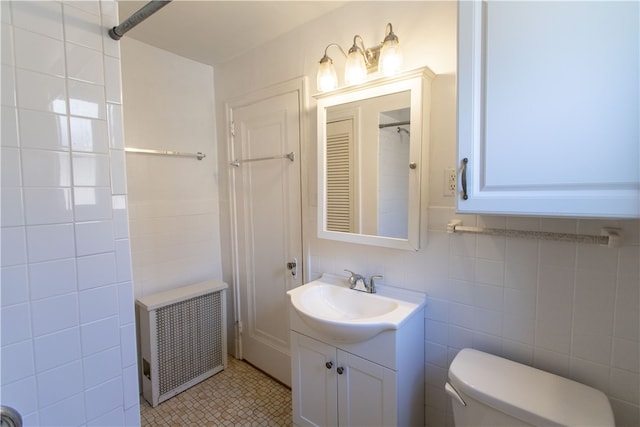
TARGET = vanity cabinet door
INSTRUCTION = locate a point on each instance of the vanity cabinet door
(548, 110)
(313, 384)
(367, 393)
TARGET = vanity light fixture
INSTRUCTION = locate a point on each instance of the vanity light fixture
(386, 58)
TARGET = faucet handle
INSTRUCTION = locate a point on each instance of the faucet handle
(372, 283)
(352, 279)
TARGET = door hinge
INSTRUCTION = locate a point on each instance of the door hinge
(232, 128)
(239, 325)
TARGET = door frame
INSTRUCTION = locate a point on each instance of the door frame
(298, 85)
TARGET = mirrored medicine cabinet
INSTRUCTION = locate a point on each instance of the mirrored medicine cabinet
(370, 141)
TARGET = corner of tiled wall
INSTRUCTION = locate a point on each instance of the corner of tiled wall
(68, 332)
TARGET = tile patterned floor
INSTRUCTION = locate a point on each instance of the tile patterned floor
(239, 396)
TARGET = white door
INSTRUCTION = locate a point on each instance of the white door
(267, 218)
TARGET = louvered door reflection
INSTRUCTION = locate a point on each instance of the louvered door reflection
(340, 194)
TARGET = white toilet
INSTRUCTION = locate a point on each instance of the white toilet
(487, 390)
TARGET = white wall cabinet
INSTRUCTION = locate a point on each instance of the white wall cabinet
(548, 110)
(336, 388)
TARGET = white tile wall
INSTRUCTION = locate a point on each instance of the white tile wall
(67, 318)
(173, 202)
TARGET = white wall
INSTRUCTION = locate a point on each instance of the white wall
(173, 201)
(567, 308)
(68, 334)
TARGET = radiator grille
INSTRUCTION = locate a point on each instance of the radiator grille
(189, 337)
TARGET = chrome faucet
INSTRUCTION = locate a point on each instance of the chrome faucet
(355, 280)
(359, 283)
(372, 284)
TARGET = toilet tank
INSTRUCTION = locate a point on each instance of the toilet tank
(494, 388)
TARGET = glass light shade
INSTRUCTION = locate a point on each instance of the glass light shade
(355, 70)
(326, 79)
(390, 57)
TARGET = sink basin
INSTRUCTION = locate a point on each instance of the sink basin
(331, 308)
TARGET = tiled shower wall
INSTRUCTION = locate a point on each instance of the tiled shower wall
(68, 335)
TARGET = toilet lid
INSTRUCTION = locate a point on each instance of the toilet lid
(526, 393)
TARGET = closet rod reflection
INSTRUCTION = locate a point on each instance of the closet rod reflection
(197, 155)
(388, 125)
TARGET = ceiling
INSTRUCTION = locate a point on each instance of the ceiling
(213, 32)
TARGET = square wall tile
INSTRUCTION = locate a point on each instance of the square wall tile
(86, 100)
(91, 170)
(48, 205)
(100, 335)
(82, 28)
(96, 270)
(17, 362)
(43, 17)
(11, 208)
(84, 64)
(57, 349)
(101, 367)
(43, 130)
(15, 287)
(13, 246)
(39, 53)
(54, 314)
(50, 242)
(94, 237)
(92, 203)
(98, 303)
(10, 167)
(43, 168)
(41, 92)
(54, 278)
(16, 324)
(89, 135)
(59, 383)
(104, 398)
(65, 412)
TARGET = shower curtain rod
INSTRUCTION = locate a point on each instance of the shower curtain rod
(388, 125)
(143, 13)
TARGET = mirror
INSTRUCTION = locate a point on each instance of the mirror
(370, 140)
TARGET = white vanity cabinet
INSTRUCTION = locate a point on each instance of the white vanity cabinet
(548, 108)
(334, 387)
(378, 382)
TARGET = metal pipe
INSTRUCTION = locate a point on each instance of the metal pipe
(143, 13)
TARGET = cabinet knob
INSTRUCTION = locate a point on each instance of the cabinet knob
(340, 370)
(329, 365)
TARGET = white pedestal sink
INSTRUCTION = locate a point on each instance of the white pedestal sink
(330, 307)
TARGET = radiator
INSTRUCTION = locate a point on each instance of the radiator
(182, 334)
